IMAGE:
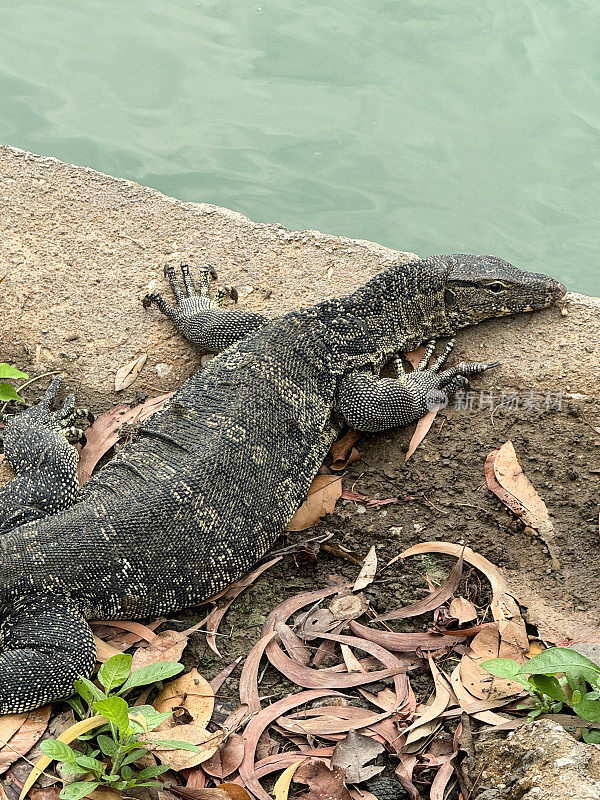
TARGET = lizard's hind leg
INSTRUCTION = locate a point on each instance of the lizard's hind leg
(201, 319)
(46, 645)
(36, 445)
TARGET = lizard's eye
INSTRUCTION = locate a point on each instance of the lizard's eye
(496, 287)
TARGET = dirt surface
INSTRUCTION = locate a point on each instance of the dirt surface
(79, 250)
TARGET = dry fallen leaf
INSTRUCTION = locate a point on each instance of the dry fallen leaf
(207, 742)
(478, 682)
(431, 601)
(225, 791)
(190, 691)
(324, 492)
(343, 451)
(421, 727)
(259, 723)
(502, 604)
(227, 759)
(421, 431)
(293, 644)
(284, 781)
(370, 502)
(127, 374)
(468, 701)
(167, 646)
(506, 479)
(463, 610)
(367, 573)
(213, 620)
(25, 733)
(322, 782)
(105, 432)
(353, 754)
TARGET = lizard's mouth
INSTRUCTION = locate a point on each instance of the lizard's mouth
(556, 292)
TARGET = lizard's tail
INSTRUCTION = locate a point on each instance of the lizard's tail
(46, 645)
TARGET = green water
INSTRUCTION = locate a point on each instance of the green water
(427, 125)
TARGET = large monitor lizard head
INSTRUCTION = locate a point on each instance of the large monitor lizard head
(481, 287)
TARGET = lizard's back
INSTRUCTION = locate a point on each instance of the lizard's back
(203, 489)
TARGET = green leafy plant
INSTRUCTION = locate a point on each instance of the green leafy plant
(7, 390)
(555, 678)
(112, 750)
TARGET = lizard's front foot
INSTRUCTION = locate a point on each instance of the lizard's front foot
(435, 387)
(38, 446)
(369, 403)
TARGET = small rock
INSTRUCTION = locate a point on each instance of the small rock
(544, 762)
(163, 369)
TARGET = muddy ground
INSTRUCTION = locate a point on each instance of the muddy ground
(79, 250)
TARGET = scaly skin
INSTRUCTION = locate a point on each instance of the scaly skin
(208, 484)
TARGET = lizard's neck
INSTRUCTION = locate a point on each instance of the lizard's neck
(402, 306)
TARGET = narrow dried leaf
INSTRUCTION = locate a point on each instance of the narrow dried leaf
(220, 679)
(421, 431)
(370, 502)
(350, 660)
(404, 642)
(322, 678)
(323, 494)
(294, 647)
(440, 703)
(367, 573)
(432, 601)
(292, 605)
(331, 723)
(127, 374)
(225, 791)
(213, 620)
(259, 723)
(343, 451)
(282, 785)
(141, 631)
(249, 695)
(505, 477)
(404, 771)
(72, 733)
(502, 604)
(441, 780)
